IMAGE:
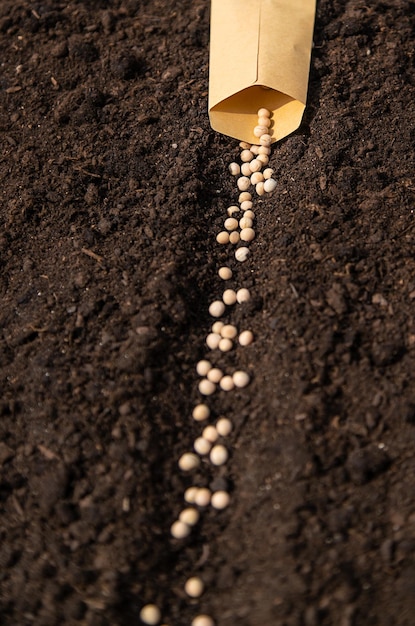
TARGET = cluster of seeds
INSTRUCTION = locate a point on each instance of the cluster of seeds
(253, 170)
(210, 446)
(223, 336)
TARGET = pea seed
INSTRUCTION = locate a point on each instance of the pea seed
(246, 156)
(246, 338)
(255, 166)
(232, 209)
(245, 222)
(259, 188)
(270, 185)
(263, 158)
(260, 131)
(220, 500)
(222, 237)
(203, 367)
(249, 214)
(241, 379)
(243, 183)
(210, 433)
(225, 273)
(243, 295)
(246, 205)
(227, 384)
(264, 150)
(201, 412)
(217, 326)
(234, 169)
(264, 121)
(202, 446)
(190, 493)
(241, 254)
(228, 330)
(212, 340)
(225, 345)
(215, 375)
(188, 461)
(217, 308)
(234, 237)
(247, 234)
(206, 387)
(245, 195)
(203, 496)
(179, 530)
(202, 620)
(218, 455)
(224, 426)
(254, 149)
(257, 177)
(194, 587)
(268, 173)
(244, 145)
(263, 112)
(190, 516)
(246, 169)
(150, 614)
(229, 297)
(265, 140)
(231, 223)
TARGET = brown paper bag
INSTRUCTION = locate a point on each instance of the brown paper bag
(259, 57)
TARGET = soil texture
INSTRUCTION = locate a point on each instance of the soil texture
(113, 188)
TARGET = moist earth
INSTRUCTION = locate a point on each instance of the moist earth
(113, 187)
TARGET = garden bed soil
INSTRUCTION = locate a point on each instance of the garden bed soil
(113, 188)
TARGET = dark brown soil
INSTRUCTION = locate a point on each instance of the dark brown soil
(113, 188)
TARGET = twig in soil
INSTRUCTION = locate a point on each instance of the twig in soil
(80, 169)
(48, 454)
(92, 255)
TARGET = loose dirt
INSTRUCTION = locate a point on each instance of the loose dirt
(113, 189)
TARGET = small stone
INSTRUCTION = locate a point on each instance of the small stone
(364, 464)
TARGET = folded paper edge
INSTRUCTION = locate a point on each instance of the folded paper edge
(230, 94)
(236, 116)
